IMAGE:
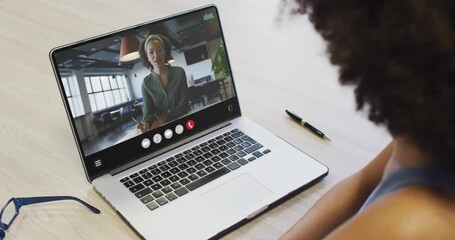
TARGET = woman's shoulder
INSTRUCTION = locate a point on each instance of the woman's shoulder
(413, 212)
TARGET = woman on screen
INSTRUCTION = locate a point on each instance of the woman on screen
(165, 89)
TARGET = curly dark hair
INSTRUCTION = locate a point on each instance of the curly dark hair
(167, 48)
(400, 55)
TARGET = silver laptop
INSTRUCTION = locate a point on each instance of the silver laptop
(202, 171)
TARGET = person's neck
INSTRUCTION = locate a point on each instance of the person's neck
(406, 154)
(161, 70)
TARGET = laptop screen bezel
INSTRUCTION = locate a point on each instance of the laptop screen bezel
(106, 160)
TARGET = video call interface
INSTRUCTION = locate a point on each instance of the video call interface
(103, 80)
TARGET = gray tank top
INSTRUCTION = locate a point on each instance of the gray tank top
(434, 176)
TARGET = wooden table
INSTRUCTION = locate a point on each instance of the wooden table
(277, 65)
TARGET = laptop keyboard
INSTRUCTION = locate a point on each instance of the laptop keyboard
(174, 177)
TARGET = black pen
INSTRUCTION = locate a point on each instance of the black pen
(308, 126)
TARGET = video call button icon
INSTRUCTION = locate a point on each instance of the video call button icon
(179, 129)
(145, 143)
(168, 134)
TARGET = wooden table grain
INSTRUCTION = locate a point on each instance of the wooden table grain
(278, 61)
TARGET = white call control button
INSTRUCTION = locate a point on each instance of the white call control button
(179, 129)
(157, 138)
(145, 143)
(168, 134)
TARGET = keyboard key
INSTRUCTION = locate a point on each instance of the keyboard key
(224, 148)
(253, 148)
(157, 178)
(155, 171)
(207, 155)
(167, 190)
(242, 161)
(156, 186)
(161, 201)
(152, 206)
(201, 173)
(189, 156)
(174, 170)
(199, 159)
(173, 164)
(147, 199)
(199, 166)
(148, 182)
(174, 178)
(233, 166)
(218, 165)
(198, 183)
(237, 134)
(241, 154)
(233, 157)
(215, 151)
(229, 145)
(176, 185)
(166, 174)
(181, 160)
(193, 177)
(207, 162)
(238, 148)
(266, 151)
(157, 194)
(143, 193)
(124, 179)
(128, 184)
(225, 161)
(258, 154)
(171, 196)
(231, 151)
(134, 175)
(191, 163)
(165, 168)
(209, 169)
(183, 166)
(181, 191)
(205, 149)
(182, 174)
(143, 171)
(191, 170)
(184, 181)
(147, 175)
(215, 159)
(165, 182)
(136, 188)
(138, 180)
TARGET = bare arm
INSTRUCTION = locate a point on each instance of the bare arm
(341, 202)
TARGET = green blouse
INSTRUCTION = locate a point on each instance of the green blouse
(171, 101)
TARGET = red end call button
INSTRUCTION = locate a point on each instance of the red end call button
(189, 124)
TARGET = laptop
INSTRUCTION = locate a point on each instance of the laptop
(196, 175)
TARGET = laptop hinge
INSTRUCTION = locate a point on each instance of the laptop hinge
(168, 148)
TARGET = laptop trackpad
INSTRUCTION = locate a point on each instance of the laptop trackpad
(235, 195)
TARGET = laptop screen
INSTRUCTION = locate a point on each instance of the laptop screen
(140, 89)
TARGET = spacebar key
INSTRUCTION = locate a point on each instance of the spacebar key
(253, 148)
(202, 181)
